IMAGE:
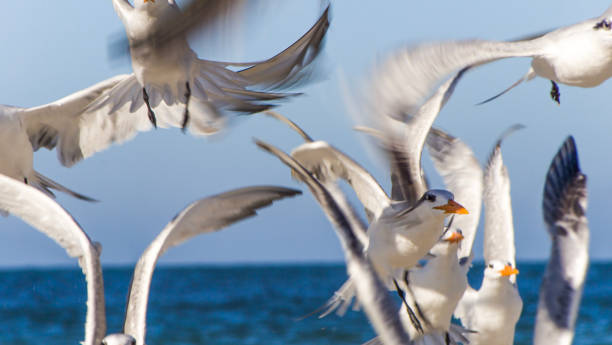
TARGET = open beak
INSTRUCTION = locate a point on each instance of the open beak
(452, 207)
(508, 271)
(455, 237)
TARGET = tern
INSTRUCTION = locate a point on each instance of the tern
(493, 311)
(437, 286)
(564, 206)
(576, 55)
(172, 73)
(400, 233)
(369, 289)
(203, 216)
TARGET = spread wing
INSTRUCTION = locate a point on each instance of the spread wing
(404, 142)
(48, 217)
(203, 216)
(564, 207)
(329, 164)
(370, 291)
(499, 226)
(463, 176)
(410, 74)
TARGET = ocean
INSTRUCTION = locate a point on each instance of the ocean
(252, 304)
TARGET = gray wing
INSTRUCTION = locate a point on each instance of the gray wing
(462, 174)
(203, 216)
(370, 291)
(67, 125)
(48, 217)
(499, 226)
(288, 67)
(289, 123)
(408, 76)
(404, 142)
(564, 207)
(329, 164)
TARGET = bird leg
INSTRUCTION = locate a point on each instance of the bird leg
(150, 112)
(604, 24)
(413, 318)
(554, 92)
(416, 304)
(186, 114)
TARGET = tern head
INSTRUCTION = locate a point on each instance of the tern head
(118, 339)
(498, 269)
(442, 201)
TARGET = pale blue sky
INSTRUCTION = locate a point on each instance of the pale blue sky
(51, 49)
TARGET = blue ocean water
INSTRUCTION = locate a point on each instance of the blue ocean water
(242, 305)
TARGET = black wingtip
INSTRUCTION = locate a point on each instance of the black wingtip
(563, 173)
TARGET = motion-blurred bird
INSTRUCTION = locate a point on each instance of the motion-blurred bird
(369, 289)
(171, 72)
(575, 55)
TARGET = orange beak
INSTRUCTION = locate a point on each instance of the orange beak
(149, 0)
(452, 207)
(455, 237)
(508, 271)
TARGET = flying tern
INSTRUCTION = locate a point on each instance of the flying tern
(564, 206)
(370, 290)
(575, 55)
(171, 72)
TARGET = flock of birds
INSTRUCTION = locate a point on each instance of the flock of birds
(416, 241)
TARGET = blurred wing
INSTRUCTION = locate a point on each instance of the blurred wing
(409, 75)
(404, 142)
(462, 174)
(203, 216)
(328, 164)
(499, 226)
(197, 15)
(564, 207)
(59, 123)
(370, 291)
(48, 217)
(288, 67)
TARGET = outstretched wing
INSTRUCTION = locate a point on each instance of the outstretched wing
(499, 225)
(410, 74)
(329, 164)
(48, 217)
(58, 124)
(404, 142)
(564, 207)
(203, 216)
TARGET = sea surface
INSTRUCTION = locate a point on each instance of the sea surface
(242, 305)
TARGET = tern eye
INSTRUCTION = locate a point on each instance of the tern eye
(430, 197)
(490, 265)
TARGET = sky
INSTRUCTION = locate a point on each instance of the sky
(52, 49)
